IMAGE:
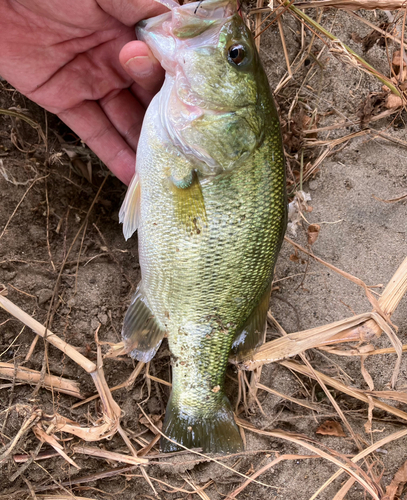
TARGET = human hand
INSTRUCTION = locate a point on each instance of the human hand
(65, 57)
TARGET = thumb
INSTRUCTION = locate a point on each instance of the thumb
(141, 65)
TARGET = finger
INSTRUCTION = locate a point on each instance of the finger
(131, 12)
(92, 125)
(141, 65)
(125, 113)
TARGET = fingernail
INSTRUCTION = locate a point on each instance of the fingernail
(140, 66)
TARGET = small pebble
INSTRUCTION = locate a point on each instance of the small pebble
(102, 317)
(36, 233)
(348, 184)
(71, 302)
(8, 276)
(44, 295)
(94, 323)
(313, 185)
(82, 326)
(115, 216)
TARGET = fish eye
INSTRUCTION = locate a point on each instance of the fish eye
(238, 54)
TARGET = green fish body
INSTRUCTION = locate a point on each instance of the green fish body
(208, 201)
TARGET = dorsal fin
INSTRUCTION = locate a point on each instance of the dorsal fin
(129, 213)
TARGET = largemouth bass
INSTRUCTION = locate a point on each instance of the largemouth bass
(208, 201)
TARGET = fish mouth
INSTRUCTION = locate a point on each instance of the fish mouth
(142, 24)
(184, 22)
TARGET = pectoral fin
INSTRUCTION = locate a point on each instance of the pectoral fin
(189, 204)
(129, 213)
(251, 334)
(142, 333)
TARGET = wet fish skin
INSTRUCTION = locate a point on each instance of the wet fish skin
(211, 216)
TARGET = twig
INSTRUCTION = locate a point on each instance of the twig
(26, 375)
(109, 455)
(361, 476)
(53, 339)
(114, 258)
(264, 469)
(340, 48)
(47, 225)
(340, 386)
(300, 402)
(354, 4)
(19, 203)
(287, 59)
(363, 454)
(29, 422)
(111, 410)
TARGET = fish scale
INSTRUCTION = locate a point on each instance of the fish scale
(211, 215)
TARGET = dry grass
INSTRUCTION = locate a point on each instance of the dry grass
(355, 4)
(273, 351)
(51, 382)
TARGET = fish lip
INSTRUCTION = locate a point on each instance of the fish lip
(142, 24)
(210, 5)
(145, 25)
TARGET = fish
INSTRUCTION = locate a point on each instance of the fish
(209, 203)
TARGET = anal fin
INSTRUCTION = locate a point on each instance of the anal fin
(142, 334)
(251, 334)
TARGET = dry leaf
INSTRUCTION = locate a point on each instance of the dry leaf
(51, 440)
(366, 374)
(294, 257)
(313, 232)
(359, 456)
(309, 123)
(295, 207)
(368, 424)
(360, 476)
(396, 61)
(374, 36)
(400, 396)
(393, 101)
(331, 428)
(399, 480)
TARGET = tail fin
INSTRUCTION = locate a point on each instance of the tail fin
(214, 432)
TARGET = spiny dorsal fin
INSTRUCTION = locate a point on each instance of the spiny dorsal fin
(251, 334)
(129, 213)
(142, 334)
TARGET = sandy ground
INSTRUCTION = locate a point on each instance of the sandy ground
(359, 234)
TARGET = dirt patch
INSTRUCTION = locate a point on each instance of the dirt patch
(44, 201)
